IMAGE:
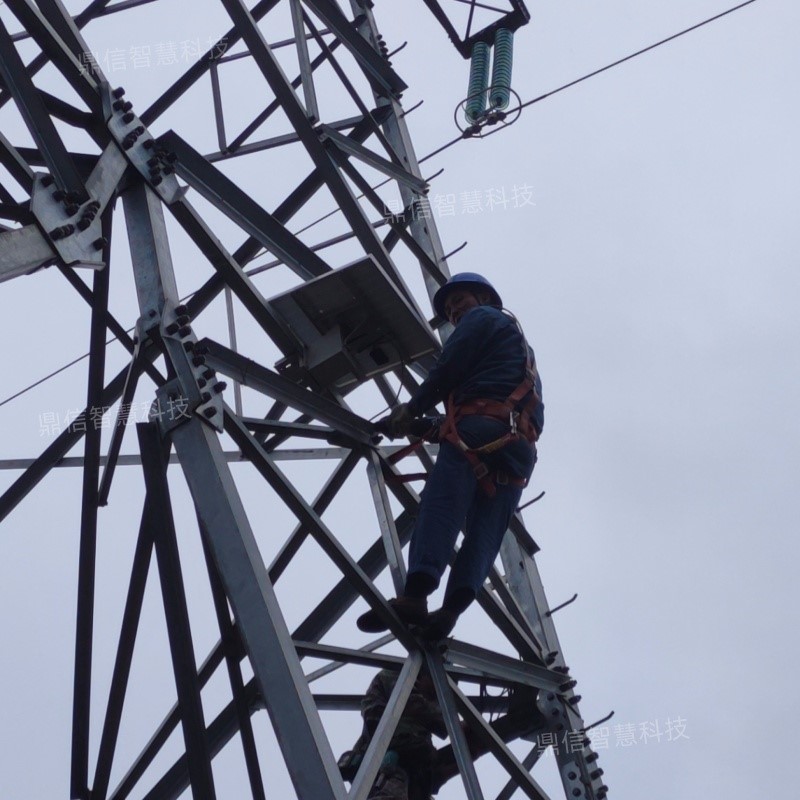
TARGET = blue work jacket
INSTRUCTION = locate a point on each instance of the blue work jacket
(485, 357)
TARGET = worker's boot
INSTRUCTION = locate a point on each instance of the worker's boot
(439, 625)
(411, 610)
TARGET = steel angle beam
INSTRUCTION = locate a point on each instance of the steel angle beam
(299, 196)
(285, 94)
(53, 30)
(88, 543)
(295, 502)
(382, 735)
(347, 655)
(232, 646)
(503, 667)
(202, 65)
(388, 168)
(381, 76)
(125, 647)
(165, 729)
(277, 141)
(327, 612)
(249, 373)
(24, 250)
(37, 119)
(275, 665)
(458, 741)
(154, 464)
(225, 195)
(13, 161)
(50, 457)
(493, 743)
(309, 91)
(221, 730)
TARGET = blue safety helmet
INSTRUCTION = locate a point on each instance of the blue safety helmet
(464, 280)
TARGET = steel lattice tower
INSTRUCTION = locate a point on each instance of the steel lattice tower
(329, 328)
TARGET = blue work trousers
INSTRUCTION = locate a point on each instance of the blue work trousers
(453, 499)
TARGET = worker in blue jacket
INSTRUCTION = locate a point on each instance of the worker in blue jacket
(487, 378)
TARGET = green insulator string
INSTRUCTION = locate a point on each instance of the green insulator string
(500, 93)
(478, 82)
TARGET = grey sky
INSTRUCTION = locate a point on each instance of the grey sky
(649, 247)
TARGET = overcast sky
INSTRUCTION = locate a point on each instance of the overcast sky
(648, 244)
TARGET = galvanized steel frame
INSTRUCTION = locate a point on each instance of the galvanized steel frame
(238, 577)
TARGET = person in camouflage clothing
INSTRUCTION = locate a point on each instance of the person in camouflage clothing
(405, 773)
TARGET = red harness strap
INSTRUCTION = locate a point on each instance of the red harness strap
(512, 410)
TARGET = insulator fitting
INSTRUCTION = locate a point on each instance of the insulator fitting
(501, 68)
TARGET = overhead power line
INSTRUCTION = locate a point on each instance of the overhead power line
(461, 138)
(598, 71)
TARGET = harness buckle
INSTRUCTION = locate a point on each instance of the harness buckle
(513, 416)
(481, 470)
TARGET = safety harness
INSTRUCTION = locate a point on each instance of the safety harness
(516, 410)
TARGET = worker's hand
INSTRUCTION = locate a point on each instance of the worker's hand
(399, 423)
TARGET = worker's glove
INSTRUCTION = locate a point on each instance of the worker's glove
(396, 424)
(400, 420)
